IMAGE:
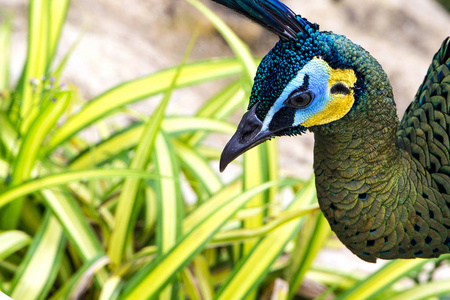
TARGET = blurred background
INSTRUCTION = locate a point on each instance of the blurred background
(120, 41)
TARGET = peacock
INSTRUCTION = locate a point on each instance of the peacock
(383, 185)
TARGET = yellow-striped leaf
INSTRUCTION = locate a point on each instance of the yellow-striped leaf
(5, 40)
(37, 60)
(311, 239)
(378, 282)
(57, 17)
(129, 137)
(149, 281)
(69, 214)
(219, 107)
(138, 89)
(253, 176)
(111, 288)
(12, 241)
(208, 207)
(4, 168)
(237, 235)
(424, 291)
(38, 270)
(203, 276)
(124, 217)
(84, 273)
(190, 286)
(199, 167)
(169, 201)
(62, 178)
(8, 135)
(29, 149)
(249, 273)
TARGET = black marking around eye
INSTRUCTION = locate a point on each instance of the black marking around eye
(339, 88)
(299, 100)
(282, 119)
(304, 87)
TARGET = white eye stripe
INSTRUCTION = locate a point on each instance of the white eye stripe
(279, 103)
(319, 73)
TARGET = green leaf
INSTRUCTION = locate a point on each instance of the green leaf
(253, 176)
(219, 107)
(225, 102)
(83, 274)
(310, 241)
(252, 269)
(180, 125)
(138, 89)
(12, 241)
(252, 158)
(38, 270)
(190, 284)
(208, 207)
(111, 288)
(29, 149)
(333, 277)
(8, 136)
(84, 282)
(124, 221)
(57, 17)
(62, 178)
(154, 277)
(237, 235)
(75, 226)
(4, 168)
(378, 282)
(151, 214)
(260, 165)
(424, 291)
(33, 140)
(56, 73)
(271, 168)
(203, 277)
(170, 203)
(36, 64)
(129, 137)
(198, 166)
(169, 196)
(5, 43)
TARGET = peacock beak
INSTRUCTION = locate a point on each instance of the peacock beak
(248, 135)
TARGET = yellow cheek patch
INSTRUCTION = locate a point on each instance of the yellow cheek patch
(338, 105)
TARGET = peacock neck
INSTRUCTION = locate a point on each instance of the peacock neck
(378, 199)
(365, 139)
(360, 145)
(358, 166)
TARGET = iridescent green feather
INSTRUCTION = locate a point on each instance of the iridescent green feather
(388, 197)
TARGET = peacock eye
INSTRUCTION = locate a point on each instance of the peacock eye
(339, 88)
(299, 99)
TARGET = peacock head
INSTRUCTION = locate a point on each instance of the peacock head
(306, 81)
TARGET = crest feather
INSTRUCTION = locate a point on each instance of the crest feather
(271, 14)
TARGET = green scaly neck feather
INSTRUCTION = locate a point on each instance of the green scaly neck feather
(378, 197)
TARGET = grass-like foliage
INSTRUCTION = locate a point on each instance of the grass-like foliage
(109, 220)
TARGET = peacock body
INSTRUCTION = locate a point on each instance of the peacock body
(383, 185)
